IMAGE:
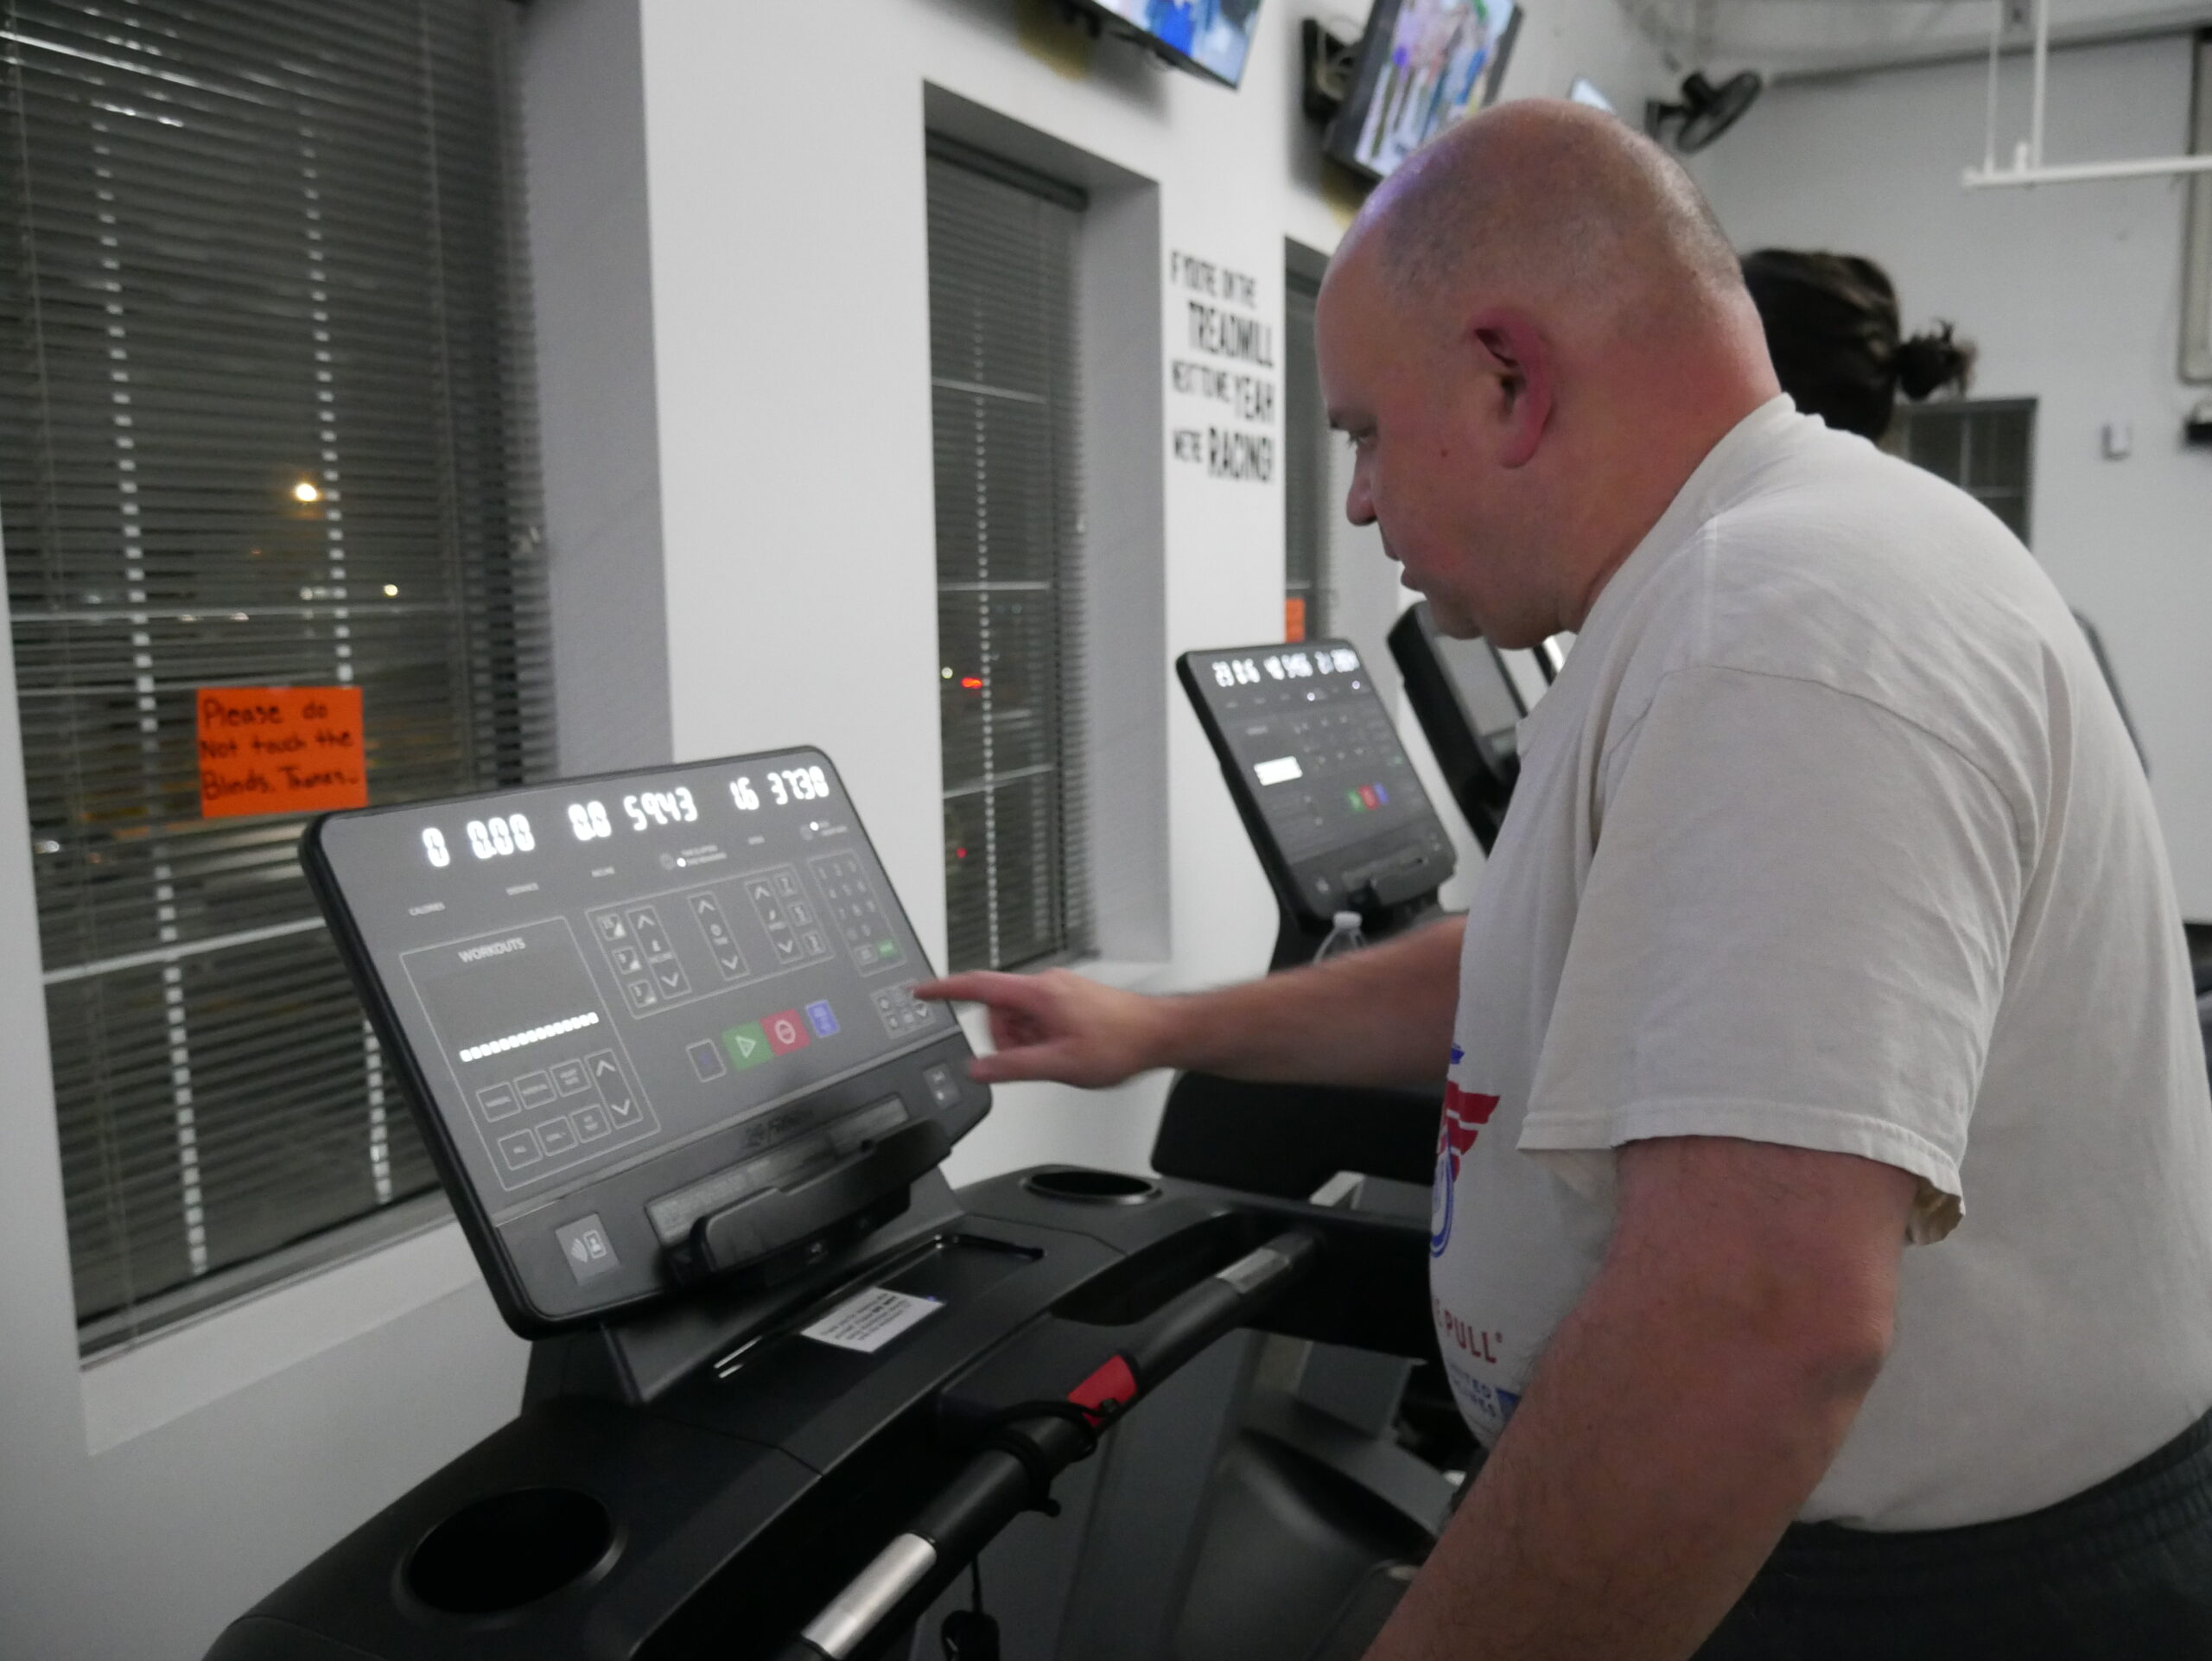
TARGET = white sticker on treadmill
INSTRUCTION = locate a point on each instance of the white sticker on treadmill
(869, 1321)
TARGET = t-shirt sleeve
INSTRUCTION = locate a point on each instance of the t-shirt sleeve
(1795, 929)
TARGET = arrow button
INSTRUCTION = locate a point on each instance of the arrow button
(614, 1089)
(748, 1044)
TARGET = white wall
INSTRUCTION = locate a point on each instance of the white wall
(2073, 294)
(737, 427)
(796, 456)
(591, 260)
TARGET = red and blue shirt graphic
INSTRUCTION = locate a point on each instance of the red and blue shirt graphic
(1466, 1113)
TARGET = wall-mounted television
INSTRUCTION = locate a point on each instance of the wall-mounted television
(1212, 37)
(1585, 91)
(1423, 64)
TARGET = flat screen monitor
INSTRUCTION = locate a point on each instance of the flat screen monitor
(1319, 776)
(1423, 65)
(1585, 91)
(634, 1008)
(1470, 699)
(1213, 37)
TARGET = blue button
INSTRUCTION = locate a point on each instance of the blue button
(822, 1018)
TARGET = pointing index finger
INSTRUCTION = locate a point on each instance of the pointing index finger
(978, 986)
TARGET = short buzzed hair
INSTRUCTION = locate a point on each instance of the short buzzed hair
(1553, 193)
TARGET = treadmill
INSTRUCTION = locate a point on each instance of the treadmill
(1326, 790)
(1342, 1463)
(1470, 698)
(1342, 827)
(658, 1030)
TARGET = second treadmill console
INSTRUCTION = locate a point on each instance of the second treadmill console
(1470, 698)
(1319, 774)
(662, 1023)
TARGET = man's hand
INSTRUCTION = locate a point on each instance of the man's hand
(1381, 1016)
(1058, 1026)
(1681, 1414)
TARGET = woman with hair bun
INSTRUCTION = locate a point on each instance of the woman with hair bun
(1839, 350)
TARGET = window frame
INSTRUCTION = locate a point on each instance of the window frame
(510, 632)
(1970, 413)
(1308, 486)
(1070, 877)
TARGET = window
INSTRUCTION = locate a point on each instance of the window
(264, 421)
(1002, 354)
(1985, 446)
(1307, 499)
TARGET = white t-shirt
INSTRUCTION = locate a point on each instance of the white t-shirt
(1830, 834)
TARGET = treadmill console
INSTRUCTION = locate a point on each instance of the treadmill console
(1325, 787)
(660, 1023)
(1470, 698)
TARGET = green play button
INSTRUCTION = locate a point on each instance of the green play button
(748, 1044)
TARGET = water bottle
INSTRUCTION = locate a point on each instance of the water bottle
(1344, 936)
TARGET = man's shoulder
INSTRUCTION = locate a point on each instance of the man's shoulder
(1852, 568)
(1834, 564)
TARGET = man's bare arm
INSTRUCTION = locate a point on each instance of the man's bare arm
(1375, 1017)
(1681, 1414)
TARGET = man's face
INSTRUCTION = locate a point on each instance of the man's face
(1427, 424)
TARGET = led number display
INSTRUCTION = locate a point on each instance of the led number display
(1285, 666)
(491, 838)
(662, 807)
(788, 785)
(433, 844)
(588, 820)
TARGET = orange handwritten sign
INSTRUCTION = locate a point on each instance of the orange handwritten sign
(280, 749)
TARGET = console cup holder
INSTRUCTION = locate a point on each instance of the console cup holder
(1091, 1188)
(498, 1553)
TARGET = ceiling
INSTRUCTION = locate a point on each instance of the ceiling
(1797, 39)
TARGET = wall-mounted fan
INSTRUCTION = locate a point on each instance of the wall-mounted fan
(1705, 111)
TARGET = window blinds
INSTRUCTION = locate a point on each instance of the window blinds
(1305, 468)
(1002, 321)
(1985, 446)
(264, 420)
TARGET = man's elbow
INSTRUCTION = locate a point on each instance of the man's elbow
(1822, 1343)
(1842, 1360)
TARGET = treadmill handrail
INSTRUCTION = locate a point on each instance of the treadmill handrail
(1014, 1474)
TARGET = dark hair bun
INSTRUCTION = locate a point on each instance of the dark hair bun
(1927, 363)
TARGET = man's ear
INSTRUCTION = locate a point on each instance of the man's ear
(1515, 354)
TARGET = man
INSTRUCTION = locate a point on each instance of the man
(1826, 1141)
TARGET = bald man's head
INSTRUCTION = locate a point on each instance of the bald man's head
(1534, 331)
(1545, 198)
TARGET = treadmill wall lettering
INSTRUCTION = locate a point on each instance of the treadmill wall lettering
(1223, 323)
(280, 749)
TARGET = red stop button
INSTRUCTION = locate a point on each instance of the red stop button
(786, 1032)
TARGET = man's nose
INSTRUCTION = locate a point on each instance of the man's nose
(1359, 501)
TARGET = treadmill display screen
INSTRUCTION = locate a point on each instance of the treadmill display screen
(1340, 814)
(640, 998)
(1494, 696)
